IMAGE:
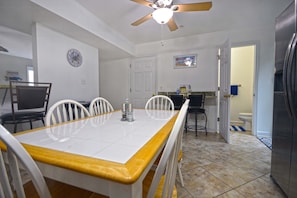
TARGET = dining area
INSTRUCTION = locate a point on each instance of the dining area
(92, 150)
(95, 149)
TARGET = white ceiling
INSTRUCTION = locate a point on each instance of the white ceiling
(224, 14)
(119, 14)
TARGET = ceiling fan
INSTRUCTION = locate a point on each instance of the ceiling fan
(163, 11)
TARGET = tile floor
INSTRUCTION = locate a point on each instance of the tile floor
(212, 168)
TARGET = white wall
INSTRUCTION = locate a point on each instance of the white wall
(169, 78)
(17, 43)
(115, 81)
(204, 77)
(242, 74)
(49, 51)
(14, 64)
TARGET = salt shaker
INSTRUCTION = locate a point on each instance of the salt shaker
(130, 113)
(124, 112)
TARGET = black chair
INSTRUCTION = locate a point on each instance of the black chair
(29, 102)
(177, 100)
(196, 106)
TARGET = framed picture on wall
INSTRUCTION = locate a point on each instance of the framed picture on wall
(185, 61)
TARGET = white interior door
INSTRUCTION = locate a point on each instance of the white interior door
(143, 80)
(224, 106)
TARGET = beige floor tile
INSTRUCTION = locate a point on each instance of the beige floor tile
(212, 168)
(232, 175)
(201, 183)
(260, 188)
(231, 194)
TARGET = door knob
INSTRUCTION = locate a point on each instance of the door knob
(227, 95)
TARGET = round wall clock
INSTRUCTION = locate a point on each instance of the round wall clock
(74, 57)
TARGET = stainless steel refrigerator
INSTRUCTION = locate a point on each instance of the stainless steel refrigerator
(284, 134)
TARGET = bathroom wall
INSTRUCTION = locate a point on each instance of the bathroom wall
(242, 74)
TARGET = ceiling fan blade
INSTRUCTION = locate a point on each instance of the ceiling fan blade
(172, 25)
(143, 2)
(193, 7)
(143, 19)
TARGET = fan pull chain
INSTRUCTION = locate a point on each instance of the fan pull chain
(162, 35)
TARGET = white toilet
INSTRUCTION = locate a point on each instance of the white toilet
(247, 119)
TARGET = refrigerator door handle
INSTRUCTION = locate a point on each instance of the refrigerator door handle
(290, 77)
(285, 75)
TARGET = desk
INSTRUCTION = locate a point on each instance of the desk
(101, 153)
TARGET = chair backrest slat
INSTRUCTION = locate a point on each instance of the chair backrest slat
(16, 176)
(16, 155)
(159, 102)
(100, 105)
(65, 110)
(5, 188)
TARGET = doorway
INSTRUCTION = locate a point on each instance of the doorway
(245, 54)
(242, 70)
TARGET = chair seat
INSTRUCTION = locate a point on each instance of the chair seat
(22, 117)
(146, 185)
(196, 110)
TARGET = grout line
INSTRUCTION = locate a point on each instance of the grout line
(241, 185)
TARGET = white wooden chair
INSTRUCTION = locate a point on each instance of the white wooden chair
(161, 182)
(159, 102)
(17, 158)
(65, 110)
(100, 105)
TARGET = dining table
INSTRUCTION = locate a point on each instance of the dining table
(102, 153)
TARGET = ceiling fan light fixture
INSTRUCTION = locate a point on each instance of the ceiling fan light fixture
(162, 15)
(163, 3)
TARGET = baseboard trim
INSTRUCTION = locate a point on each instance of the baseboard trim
(235, 122)
(263, 134)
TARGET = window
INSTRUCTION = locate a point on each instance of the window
(30, 74)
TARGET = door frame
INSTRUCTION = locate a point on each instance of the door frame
(255, 84)
(256, 77)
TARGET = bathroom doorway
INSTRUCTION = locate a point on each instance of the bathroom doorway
(243, 62)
